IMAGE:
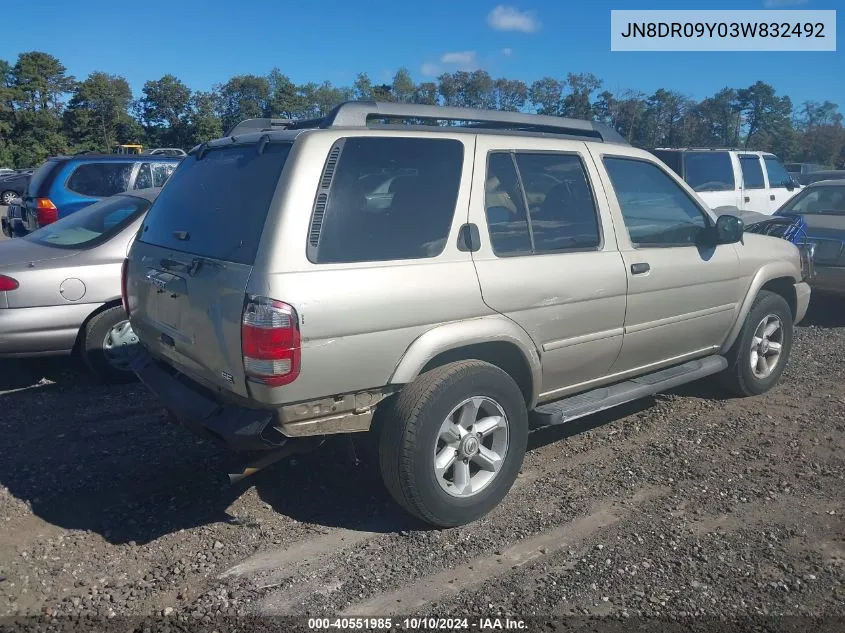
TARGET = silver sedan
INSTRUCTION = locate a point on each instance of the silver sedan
(60, 286)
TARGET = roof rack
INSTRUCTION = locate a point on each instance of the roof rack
(364, 113)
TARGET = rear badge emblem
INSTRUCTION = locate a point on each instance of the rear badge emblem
(227, 377)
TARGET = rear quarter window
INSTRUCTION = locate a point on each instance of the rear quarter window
(709, 171)
(390, 199)
(100, 180)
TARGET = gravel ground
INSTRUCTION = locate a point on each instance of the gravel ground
(682, 505)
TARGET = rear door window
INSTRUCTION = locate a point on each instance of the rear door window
(216, 206)
(752, 173)
(560, 200)
(709, 171)
(389, 199)
(100, 180)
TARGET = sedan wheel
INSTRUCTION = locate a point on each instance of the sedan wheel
(116, 345)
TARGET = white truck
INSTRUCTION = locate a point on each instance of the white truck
(747, 180)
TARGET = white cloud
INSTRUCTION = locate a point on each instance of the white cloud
(430, 70)
(506, 18)
(507, 52)
(779, 4)
(460, 58)
(452, 60)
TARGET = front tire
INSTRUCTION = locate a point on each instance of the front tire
(453, 442)
(7, 196)
(105, 344)
(762, 349)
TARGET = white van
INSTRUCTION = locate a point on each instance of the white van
(748, 180)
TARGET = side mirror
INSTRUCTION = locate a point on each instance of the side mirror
(729, 229)
(789, 183)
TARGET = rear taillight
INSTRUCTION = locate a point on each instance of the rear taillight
(124, 297)
(7, 283)
(46, 211)
(270, 341)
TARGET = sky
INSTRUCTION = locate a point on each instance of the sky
(204, 42)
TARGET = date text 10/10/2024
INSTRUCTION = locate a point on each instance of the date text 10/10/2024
(418, 624)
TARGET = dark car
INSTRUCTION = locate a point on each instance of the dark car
(66, 184)
(13, 185)
(818, 176)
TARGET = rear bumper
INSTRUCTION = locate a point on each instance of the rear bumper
(238, 428)
(802, 300)
(42, 331)
(829, 279)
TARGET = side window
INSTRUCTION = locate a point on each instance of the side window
(752, 173)
(778, 176)
(144, 179)
(560, 202)
(390, 199)
(100, 180)
(507, 219)
(656, 210)
(161, 172)
(709, 171)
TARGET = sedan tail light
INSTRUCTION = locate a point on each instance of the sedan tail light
(270, 341)
(7, 283)
(46, 211)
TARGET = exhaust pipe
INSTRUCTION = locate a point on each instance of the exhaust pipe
(271, 457)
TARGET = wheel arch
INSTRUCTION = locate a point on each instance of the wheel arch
(495, 339)
(111, 303)
(776, 277)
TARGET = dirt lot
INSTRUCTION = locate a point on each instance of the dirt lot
(682, 505)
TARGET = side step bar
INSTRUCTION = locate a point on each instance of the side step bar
(574, 407)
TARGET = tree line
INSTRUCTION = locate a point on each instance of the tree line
(44, 111)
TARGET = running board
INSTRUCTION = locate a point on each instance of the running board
(574, 407)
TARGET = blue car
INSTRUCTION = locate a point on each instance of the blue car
(66, 184)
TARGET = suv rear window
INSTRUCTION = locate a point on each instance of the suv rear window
(390, 199)
(709, 171)
(220, 202)
(100, 180)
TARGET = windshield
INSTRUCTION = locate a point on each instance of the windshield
(216, 206)
(92, 225)
(827, 200)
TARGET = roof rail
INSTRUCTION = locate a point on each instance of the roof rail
(361, 113)
(258, 125)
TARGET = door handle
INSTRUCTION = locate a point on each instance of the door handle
(772, 197)
(748, 198)
(640, 269)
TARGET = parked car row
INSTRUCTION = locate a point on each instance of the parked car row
(60, 286)
(66, 184)
(13, 183)
(442, 289)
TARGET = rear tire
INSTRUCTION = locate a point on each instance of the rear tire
(484, 456)
(761, 351)
(103, 346)
(7, 196)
